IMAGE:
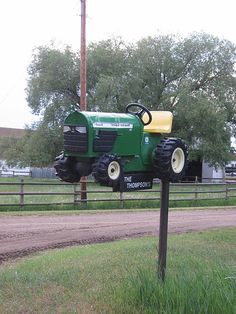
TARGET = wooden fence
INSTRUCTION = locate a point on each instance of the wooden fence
(26, 193)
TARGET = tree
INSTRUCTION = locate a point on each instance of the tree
(108, 65)
(205, 129)
(52, 92)
(165, 65)
(194, 77)
(53, 83)
(10, 150)
(36, 148)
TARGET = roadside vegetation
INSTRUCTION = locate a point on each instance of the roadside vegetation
(121, 277)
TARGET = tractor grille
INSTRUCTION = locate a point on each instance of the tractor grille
(104, 141)
(75, 141)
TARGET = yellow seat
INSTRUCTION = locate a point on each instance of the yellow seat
(161, 122)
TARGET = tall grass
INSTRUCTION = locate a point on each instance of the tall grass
(193, 290)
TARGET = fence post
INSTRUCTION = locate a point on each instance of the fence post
(75, 194)
(121, 200)
(83, 189)
(196, 191)
(226, 191)
(22, 192)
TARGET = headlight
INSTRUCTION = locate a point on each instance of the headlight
(66, 128)
(80, 129)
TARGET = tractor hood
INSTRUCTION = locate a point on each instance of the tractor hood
(91, 133)
(104, 120)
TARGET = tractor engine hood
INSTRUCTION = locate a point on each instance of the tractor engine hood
(89, 133)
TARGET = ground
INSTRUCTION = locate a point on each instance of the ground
(25, 235)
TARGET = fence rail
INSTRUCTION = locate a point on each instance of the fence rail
(26, 193)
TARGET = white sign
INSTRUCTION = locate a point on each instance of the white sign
(116, 125)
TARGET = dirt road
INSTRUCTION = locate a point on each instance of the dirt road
(24, 235)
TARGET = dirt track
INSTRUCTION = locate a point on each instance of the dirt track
(24, 235)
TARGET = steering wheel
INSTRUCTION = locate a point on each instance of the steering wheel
(140, 112)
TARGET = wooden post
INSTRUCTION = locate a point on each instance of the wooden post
(22, 192)
(83, 61)
(163, 230)
(75, 194)
(196, 191)
(226, 191)
(121, 200)
(83, 80)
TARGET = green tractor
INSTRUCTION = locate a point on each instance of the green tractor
(123, 150)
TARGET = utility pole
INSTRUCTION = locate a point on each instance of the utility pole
(83, 65)
(83, 80)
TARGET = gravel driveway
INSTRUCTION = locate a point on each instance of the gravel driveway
(24, 235)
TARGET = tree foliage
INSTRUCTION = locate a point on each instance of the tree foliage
(194, 77)
(53, 83)
(35, 149)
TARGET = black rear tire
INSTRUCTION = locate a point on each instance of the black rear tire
(170, 159)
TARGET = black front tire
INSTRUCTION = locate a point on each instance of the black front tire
(170, 159)
(107, 170)
(65, 169)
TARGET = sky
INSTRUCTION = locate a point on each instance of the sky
(26, 24)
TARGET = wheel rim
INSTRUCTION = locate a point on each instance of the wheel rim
(178, 160)
(114, 170)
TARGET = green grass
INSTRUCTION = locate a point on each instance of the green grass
(69, 211)
(120, 277)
